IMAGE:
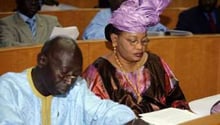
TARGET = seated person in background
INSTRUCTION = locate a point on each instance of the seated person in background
(201, 19)
(96, 29)
(103, 4)
(26, 26)
(53, 93)
(131, 75)
(54, 5)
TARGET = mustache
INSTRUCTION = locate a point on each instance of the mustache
(62, 88)
(69, 79)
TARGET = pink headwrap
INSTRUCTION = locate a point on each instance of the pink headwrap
(137, 15)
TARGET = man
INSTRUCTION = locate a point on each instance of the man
(202, 19)
(25, 26)
(54, 93)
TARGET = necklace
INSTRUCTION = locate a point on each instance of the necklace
(136, 90)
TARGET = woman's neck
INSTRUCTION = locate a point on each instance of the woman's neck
(125, 65)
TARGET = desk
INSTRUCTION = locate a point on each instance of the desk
(208, 120)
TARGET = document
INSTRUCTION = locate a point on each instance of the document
(202, 107)
(168, 116)
(178, 33)
(71, 31)
(169, 33)
(174, 116)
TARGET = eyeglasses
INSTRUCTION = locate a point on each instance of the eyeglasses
(134, 41)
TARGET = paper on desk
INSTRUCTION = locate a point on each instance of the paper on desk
(178, 33)
(203, 106)
(168, 116)
(71, 31)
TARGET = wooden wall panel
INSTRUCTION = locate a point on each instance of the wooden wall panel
(18, 58)
(7, 5)
(183, 3)
(194, 62)
(81, 3)
(169, 17)
(79, 17)
(10, 5)
(217, 48)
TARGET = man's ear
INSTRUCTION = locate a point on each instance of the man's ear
(114, 38)
(42, 60)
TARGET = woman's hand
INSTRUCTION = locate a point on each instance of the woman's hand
(155, 107)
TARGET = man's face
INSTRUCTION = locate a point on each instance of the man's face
(207, 5)
(29, 7)
(61, 71)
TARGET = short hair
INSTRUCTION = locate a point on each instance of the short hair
(48, 45)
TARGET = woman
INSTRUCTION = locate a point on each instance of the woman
(130, 75)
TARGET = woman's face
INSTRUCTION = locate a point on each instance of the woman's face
(131, 46)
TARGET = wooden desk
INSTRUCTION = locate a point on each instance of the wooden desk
(208, 120)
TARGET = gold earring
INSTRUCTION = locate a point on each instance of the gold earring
(114, 49)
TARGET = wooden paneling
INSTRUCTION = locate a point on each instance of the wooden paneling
(7, 5)
(217, 48)
(183, 3)
(79, 17)
(81, 3)
(10, 5)
(195, 60)
(169, 17)
(213, 119)
(16, 59)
